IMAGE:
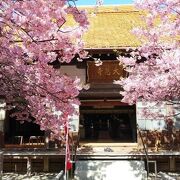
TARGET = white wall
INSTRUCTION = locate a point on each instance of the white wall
(73, 71)
(151, 122)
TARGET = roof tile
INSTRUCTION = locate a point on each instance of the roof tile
(111, 27)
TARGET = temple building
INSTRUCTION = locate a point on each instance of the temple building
(106, 131)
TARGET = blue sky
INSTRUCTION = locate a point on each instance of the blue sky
(93, 2)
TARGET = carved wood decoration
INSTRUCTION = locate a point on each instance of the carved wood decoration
(105, 73)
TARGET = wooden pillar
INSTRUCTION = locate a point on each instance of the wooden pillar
(2, 118)
(29, 167)
(133, 126)
(1, 165)
(1, 135)
(46, 164)
(47, 137)
(172, 164)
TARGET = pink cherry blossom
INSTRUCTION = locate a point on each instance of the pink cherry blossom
(33, 34)
(155, 65)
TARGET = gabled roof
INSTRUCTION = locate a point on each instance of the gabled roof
(110, 27)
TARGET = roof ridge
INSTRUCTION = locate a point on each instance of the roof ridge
(112, 9)
(106, 5)
(104, 12)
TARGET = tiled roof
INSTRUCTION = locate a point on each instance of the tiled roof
(110, 27)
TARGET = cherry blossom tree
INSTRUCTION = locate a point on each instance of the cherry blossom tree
(154, 67)
(33, 34)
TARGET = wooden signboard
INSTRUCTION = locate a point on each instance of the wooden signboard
(105, 73)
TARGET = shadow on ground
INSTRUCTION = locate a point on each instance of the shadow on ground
(35, 176)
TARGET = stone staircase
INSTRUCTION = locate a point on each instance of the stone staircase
(110, 170)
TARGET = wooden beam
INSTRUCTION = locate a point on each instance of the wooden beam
(103, 103)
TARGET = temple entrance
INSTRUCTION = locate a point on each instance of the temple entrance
(108, 126)
(23, 134)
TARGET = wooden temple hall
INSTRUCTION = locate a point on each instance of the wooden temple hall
(107, 130)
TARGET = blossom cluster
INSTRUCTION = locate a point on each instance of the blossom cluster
(154, 67)
(34, 33)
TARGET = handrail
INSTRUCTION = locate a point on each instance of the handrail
(74, 152)
(145, 150)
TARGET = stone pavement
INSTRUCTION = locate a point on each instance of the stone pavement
(51, 176)
(165, 176)
(34, 176)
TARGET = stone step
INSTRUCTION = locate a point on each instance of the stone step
(110, 170)
(110, 144)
